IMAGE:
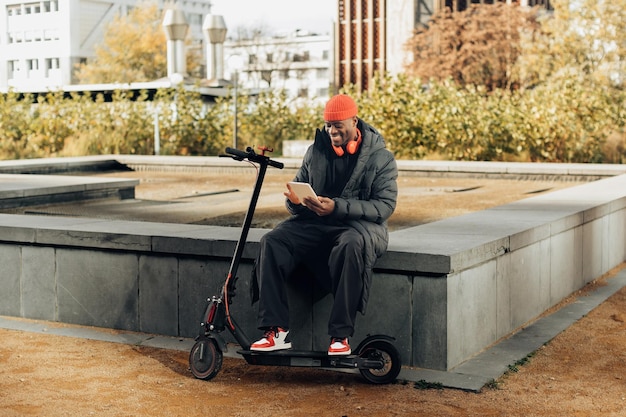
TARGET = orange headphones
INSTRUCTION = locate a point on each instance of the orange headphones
(351, 146)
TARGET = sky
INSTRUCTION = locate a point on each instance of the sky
(277, 15)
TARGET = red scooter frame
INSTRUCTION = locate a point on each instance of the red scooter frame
(376, 358)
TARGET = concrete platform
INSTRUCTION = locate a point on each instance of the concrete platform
(33, 237)
(472, 375)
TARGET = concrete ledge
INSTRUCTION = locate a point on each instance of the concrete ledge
(24, 190)
(519, 170)
(446, 290)
(61, 165)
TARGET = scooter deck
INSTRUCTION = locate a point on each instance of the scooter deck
(294, 353)
(303, 358)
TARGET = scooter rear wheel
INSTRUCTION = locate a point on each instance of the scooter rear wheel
(205, 359)
(385, 351)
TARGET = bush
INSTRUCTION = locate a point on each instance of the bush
(562, 121)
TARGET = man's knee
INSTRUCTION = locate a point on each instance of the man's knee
(351, 242)
(273, 238)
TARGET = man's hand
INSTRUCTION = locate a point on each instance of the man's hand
(322, 206)
(291, 195)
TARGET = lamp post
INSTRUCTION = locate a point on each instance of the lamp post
(236, 81)
(235, 64)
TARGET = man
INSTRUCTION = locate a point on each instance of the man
(354, 177)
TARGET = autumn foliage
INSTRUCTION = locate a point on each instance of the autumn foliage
(134, 49)
(495, 83)
(478, 46)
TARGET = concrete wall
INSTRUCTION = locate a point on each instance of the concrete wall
(445, 290)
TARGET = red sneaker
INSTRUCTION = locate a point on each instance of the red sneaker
(273, 339)
(339, 347)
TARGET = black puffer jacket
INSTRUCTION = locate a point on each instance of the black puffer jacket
(368, 199)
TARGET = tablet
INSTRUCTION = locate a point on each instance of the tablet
(302, 189)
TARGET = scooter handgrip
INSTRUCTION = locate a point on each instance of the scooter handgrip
(276, 164)
(236, 152)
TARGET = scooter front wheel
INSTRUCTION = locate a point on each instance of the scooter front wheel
(205, 359)
(386, 352)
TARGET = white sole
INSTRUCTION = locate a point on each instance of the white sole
(272, 349)
(340, 353)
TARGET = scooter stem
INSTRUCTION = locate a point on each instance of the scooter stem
(234, 265)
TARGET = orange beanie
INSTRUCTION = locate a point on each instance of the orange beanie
(339, 107)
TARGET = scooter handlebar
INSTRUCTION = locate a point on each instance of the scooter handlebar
(252, 156)
(236, 152)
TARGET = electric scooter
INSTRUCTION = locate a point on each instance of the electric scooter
(376, 358)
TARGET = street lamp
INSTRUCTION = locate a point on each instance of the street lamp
(235, 64)
(236, 81)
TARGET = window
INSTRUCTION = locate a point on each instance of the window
(322, 73)
(32, 36)
(545, 3)
(460, 5)
(50, 6)
(270, 58)
(14, 10)
(195, 19)
(303, 57)
(13, 67)
(52, 63)
(32, 64)
(50, 35)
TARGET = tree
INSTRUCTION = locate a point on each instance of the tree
(581, 47)
(584, 40)
(478, 46)
(134, 49)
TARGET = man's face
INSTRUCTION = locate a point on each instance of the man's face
(341, 131)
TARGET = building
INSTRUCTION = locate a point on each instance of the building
(371, 34)
(42, 41)
(45, 39)
(298, 62)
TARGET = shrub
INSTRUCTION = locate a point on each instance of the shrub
(562, 121)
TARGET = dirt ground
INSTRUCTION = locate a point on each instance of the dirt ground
(581, 372)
